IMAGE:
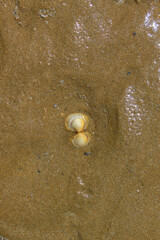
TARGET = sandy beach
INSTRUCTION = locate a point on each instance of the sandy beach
(100, 58)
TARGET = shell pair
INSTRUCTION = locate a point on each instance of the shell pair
(78, 122)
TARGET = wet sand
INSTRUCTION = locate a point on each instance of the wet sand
(95, 57)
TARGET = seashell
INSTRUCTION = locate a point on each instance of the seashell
(81, 139)
(77, 122)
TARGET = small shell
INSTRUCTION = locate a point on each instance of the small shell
(81, 139)
(76, 122)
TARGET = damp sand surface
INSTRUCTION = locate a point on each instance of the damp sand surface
(96, 57)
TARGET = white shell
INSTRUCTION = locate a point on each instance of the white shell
(77, 122)
(81, 139)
